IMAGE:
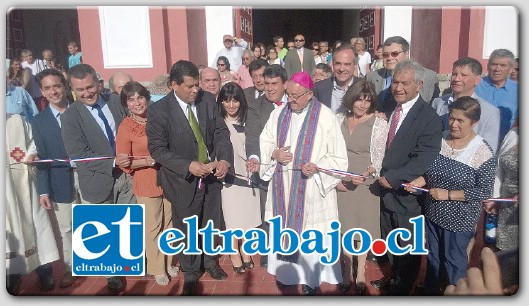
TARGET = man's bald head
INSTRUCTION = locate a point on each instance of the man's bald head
(210, 80)
(118, 80)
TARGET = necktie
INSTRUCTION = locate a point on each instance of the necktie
(108, 130)
(202, 150)
(387, 81)
(394, 123)
(278, 103)
(300, 54)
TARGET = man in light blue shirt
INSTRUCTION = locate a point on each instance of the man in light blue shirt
(19, 101)
(499, 90)
(466, 75)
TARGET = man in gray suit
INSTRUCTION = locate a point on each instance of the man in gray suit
(89, 129)
(397, 49)
(256, 69)
(466, 75)
(299, 58)
(275, 78)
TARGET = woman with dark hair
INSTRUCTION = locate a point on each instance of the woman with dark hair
(16, 75)
(378, 63)
(460, 177)
(358, 200)
(131, 139)
(226, 74)
(240, 198)
(271, 56)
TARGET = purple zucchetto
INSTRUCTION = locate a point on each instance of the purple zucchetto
(303, 79)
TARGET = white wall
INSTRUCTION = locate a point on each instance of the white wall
(219, 21)
(397, 22)
(118, 33)
(501, 29)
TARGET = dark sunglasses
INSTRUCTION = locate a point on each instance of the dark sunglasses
(299, 40)
(393, 54)
(228, 40)
(315, 49)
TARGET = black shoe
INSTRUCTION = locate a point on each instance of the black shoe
(372, 258)
(115, 284)
(344, 288)
(381, 284)
(190, 288)
(248, 265)
(13, 283)
(45, 276)
(391, 286)
(280, 285)
(46, 283)
(361, 290)
(307, 290)
(239, 270)
(264, 261)
(216, 272)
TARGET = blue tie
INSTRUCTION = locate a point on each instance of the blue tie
(108, 130)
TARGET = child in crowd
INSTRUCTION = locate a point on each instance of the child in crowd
(75, 57)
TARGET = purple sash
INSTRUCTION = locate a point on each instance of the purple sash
(304, 145)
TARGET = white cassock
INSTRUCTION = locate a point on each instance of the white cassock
(30, 241)
(320, 207)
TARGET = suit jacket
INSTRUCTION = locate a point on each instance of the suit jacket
(323, 90)
(258, 114)
(429, 91)
(293, 65)
(82, 138)
(414, 148)
(172, 143)
(249, 94)
(54, 179)
(488, 126)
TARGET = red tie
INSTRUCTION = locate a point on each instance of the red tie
(394, 123)
(279, 103)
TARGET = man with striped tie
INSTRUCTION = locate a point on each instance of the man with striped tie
(414, 141)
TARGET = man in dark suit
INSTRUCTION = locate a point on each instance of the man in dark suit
(256, 70)
(299, 58)
(397, 49)
(414, 141)
(88, 129)
(275, 78)
(56, 184)
(331, 91)
(193, 156)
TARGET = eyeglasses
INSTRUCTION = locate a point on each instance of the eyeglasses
(294, 98)
(315, 49)
(222, 65)
(299, 40)
(228, 40)
(393, 54)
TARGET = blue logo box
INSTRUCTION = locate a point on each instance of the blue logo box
(108, 240)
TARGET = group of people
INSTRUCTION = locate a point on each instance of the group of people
(239, 156)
